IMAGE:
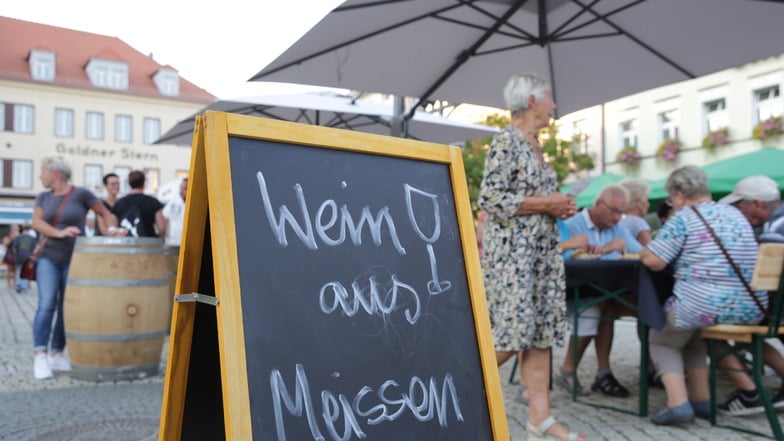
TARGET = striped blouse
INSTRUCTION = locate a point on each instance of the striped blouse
(707, 290)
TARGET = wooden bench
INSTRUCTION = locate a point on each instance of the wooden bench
(767, 277)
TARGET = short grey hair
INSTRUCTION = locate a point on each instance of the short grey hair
(58, 164)
(522, 86)
(689, 180)
(637, 188)
(613, 190)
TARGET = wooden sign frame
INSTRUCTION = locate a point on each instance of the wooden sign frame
(210, 390)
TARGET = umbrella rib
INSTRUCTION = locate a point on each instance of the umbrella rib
(641, 43)
(354, 40)
(465, 55)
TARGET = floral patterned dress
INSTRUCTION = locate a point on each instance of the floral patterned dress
(523, 270)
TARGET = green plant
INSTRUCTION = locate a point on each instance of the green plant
(669, 149)
(772, 127)
(560, 154)
(629, 156)
(716, 139)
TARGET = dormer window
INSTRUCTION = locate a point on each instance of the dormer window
(167, 81)
(42, 65)
(108, 74)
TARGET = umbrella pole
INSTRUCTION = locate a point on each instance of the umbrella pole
(398, 124)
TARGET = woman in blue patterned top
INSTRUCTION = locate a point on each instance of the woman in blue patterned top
(707, 290)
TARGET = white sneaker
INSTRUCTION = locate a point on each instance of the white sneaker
(41, 368)
(59, 362)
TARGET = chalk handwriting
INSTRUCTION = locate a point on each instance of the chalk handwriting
(434, 286)
(373, 300)
(424, 400)
(338, 217)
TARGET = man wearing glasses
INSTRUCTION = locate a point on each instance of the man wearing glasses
(608, 240)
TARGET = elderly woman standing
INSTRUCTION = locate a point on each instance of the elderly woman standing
(523, 268)
(58, 217)
(707, 290)
(636, 210)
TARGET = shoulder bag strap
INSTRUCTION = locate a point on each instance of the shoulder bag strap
(729, 259)
(56, 217)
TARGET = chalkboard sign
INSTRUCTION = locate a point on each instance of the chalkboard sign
(350, 298)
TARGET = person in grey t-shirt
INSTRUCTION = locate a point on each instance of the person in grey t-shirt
(55, 258)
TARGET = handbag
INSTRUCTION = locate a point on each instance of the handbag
(762, 309)
(30, 264)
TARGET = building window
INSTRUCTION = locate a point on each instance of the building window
(579, 136)
(767, 102)
(93, 178)
(17, 173)
(629, 131)
(42, 65)
(715, 115)
(64, 123)
(122, 173)
(17, 117)
(152, 130)
(152, 179)
(109, 74)
(94, 125)
(123, 128)
(167, 81)
(668, 124)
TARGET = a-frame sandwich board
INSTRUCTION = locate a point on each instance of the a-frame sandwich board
(359, 316)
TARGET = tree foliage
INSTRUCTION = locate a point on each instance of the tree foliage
(562, 155)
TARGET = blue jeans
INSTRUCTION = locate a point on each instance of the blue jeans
(21, 284)
(51, 278)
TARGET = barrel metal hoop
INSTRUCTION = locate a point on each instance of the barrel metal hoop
(117, 283)
(116, 250)
(114, 338)
(77, 368)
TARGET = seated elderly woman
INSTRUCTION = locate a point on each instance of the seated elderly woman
(706, 291)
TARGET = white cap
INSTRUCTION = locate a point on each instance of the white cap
(753, 188)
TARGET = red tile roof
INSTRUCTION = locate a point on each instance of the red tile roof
(73, 51)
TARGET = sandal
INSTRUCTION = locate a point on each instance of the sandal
(609, 385)
(563, 379)
(539, 433)
(519, 398)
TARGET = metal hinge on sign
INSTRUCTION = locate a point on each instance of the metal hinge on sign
(196, 297)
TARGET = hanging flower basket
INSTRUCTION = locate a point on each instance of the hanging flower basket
(669, 150)
(715, 139)
(629, 157)
(770, 129)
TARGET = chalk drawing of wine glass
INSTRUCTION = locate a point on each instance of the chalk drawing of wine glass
(428, 206)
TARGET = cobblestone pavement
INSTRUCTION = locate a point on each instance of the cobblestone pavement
(67, 409)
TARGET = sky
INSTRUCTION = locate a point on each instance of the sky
(216, 45)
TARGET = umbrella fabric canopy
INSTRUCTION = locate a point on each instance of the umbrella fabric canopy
(587, 197)
(724, 174)
(466, 50)
(338, 111)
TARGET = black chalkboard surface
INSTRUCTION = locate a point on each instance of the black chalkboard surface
(349, 302)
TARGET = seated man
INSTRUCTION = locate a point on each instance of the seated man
(609, 239)
(758, 198)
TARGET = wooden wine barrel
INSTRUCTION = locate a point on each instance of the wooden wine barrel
(116, 309)
(172, 260)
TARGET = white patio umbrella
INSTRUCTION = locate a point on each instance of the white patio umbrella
(464, 51)
(338, 111)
